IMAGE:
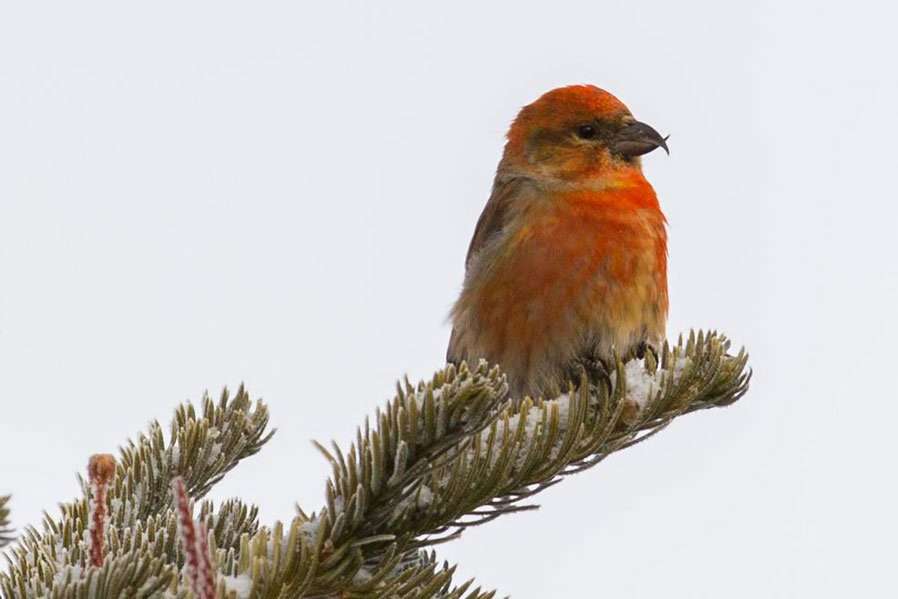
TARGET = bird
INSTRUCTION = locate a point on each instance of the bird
(567, 266)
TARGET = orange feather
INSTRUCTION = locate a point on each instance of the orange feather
(569, 260)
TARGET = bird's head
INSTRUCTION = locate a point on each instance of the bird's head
(577, 134)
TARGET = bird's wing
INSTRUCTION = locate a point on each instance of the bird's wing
(453, 352)
(495, 213)
(492, 220)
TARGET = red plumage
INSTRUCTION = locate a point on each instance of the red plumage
(568, 262)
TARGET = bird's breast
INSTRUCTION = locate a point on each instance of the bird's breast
(581, 268)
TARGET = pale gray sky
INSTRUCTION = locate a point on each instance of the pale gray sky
(197, 195)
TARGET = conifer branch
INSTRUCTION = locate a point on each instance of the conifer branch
(442, 456)
(6, 531)
(399, 487)
(100, 470)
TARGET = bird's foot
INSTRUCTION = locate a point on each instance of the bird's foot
(644, 347)
(596, 369)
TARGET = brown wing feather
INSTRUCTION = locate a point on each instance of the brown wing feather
(491, 221)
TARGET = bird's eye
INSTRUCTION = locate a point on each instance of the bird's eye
(586, 132)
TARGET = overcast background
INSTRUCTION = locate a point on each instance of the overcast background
(192, 196)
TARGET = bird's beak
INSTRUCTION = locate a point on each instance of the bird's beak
(636, 139)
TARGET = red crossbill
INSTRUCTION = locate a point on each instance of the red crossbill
(568, 263)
